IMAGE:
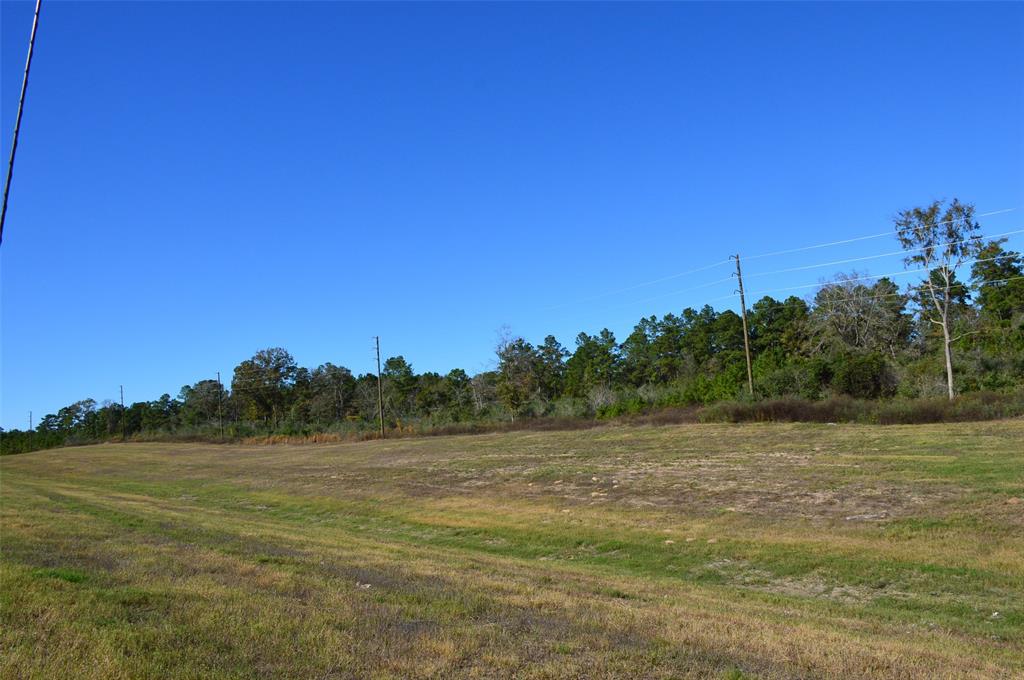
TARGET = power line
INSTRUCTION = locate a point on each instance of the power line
(879, 296)
(676, 292)
(860, 238)
(709, 284)
(712, 265)
(17, 120)
(670, 277)
(806, 267)
(889, 254)
(899, 273)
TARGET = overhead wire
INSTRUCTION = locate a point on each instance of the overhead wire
(866, 277)
(812, 266)
(892, 253)
(783, 304)
(677, 292)
(747, 258)
(899, 273)
(858, 238)
(644, 284)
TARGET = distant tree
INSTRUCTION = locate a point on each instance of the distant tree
(656, 351)
(484, 388)
(261, 383)
(698, 334)
(518, 374)
(298, 397)
(727, 333)
(458, 393)
(638, 355)
(431, 396)
(939, 239)
(399, 384)
(963, 317)
(779, 327)
(851, 315)
(74, 416)
(593, 364)
(365, 397)
(668, 359)
(858, 338)
(550, 368)
(160, 414)
(331, 391)
(998, 278)
(50, 423)
(202, 402)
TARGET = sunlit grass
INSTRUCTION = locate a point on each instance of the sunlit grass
(684, 551)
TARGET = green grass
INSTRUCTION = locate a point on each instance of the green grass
(69, 575)
(710, 551)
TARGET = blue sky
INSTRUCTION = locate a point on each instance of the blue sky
(196, 181)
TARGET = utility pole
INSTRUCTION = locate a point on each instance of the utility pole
(17, 120)
(122, 413)
(220, 410)
(746, 334)
(380, 391)
(30, 421)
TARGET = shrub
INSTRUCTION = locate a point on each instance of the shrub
(787, 409)
(913, 411)
(626, 406)
(798, 379)
(570, 407)
(969, 407)
(863, 376)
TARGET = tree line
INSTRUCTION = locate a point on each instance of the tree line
(859, 336)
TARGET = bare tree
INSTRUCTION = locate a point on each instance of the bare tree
(939, 239)
(853, 315)
(483, 390)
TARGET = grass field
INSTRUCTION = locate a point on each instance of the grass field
(723, 551)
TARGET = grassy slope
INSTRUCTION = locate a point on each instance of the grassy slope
(686, 551)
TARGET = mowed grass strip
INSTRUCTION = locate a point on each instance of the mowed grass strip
(687, 551)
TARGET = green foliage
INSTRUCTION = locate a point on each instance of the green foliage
(261, 384)
(997, 279)
(938, 240)
(518, 374)
(800, 377)
(61, 574)
(854, 340)
(594, 364)
(863, 376)
(19, 441)
(399, 385)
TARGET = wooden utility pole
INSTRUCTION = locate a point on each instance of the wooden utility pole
(220, 410)
(380, 391)
(122, 413)
(30, 421)
(746, 334)
(17, 120)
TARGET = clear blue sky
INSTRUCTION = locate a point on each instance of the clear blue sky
(196, 181)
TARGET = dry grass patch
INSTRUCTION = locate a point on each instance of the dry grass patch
(772, 551)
